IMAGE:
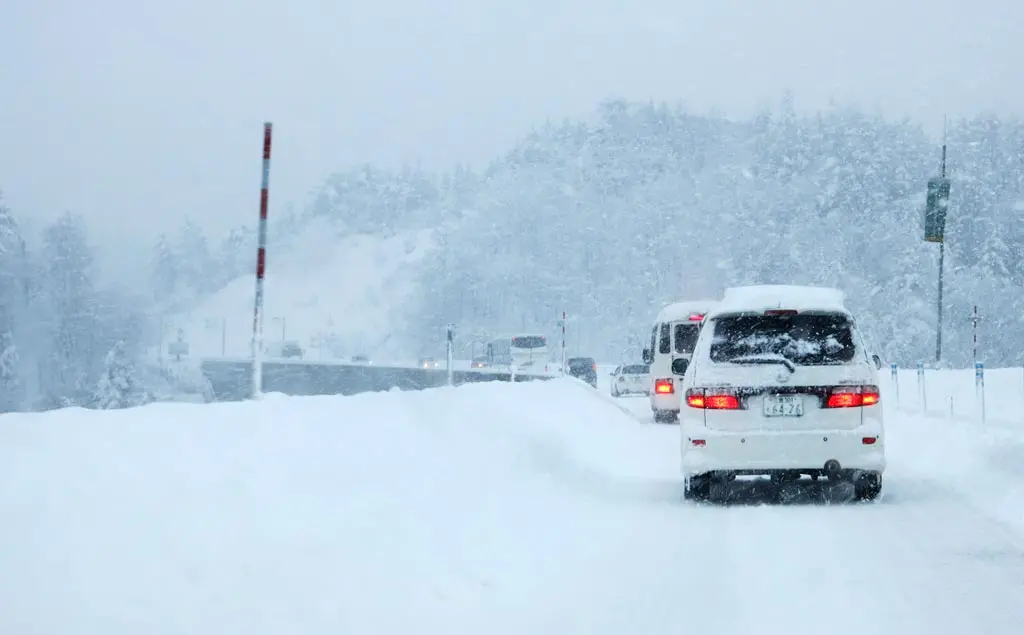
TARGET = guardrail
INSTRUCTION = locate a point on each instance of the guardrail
(231, 379)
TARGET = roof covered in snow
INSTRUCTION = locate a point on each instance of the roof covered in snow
(781, 296)
(682, 310)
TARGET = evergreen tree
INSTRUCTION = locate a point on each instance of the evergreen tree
(65, 309)
(118, 386)
(12, 308)
(165, 277)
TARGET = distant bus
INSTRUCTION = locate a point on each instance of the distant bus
(525, 351)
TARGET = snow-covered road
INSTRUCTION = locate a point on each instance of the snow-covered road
(542, 508)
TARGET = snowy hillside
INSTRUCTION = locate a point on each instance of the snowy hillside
(557, 512)
(348, 292)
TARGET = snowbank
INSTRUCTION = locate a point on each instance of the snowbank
(378, 513)
(946, 439)
(489, 508)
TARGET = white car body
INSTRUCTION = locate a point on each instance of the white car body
(628, 380)
(672, 337)
(815, 411)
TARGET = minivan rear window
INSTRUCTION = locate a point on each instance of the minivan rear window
(808, 339)
(636, 370)
(686, 337)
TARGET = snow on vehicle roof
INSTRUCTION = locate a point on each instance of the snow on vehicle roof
(681, 310)
(781, 296)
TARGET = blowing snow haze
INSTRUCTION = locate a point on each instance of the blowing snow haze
(411, 445)
(136, 114)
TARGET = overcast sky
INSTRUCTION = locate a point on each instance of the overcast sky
(136, 112)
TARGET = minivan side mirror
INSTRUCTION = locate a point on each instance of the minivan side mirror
(648, 358)
(878, 361)
(679, 366)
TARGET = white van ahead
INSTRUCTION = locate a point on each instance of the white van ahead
(781, 384)
(672, 338)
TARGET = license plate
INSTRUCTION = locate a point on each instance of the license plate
(783, 406)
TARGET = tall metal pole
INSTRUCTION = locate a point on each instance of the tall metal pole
(450, 354)
(563, 342)
(974, 335)
(261, 265)
(942, 258)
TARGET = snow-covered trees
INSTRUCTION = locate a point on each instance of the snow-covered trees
(165, 277)
(118, 386)
(64, 308)
(56, 324)
(612, 219)
(606, 219)
(13, 302)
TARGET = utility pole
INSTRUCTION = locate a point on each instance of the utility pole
(936, 207)
(942, 258)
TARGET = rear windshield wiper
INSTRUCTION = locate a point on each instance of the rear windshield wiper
(765, 359)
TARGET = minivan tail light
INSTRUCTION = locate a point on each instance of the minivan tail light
(853, 397)
(712, 399)
(721, 402)
(664, 386)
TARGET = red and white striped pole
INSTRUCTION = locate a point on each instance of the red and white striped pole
(261, 266)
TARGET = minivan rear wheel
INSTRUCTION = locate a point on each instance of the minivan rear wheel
(697, 488)
(868, 486)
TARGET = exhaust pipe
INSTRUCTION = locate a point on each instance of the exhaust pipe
(832, 469)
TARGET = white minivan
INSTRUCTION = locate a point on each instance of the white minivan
(781, 384)
(672, 337)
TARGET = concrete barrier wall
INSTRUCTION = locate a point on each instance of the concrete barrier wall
(231, 380)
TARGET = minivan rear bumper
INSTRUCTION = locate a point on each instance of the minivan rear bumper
(705, 451)
(665, 402)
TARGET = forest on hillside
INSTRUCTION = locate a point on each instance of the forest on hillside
(611, 219)
(606, 219)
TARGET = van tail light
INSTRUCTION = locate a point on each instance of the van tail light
(853, 396)
(712, 399)
(664, 386)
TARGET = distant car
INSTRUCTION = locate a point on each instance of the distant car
(584, 368)
(360, 359)
(428, 362)
(479, 362)
(631, 379)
